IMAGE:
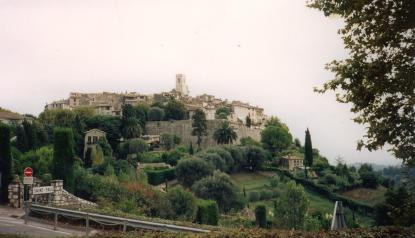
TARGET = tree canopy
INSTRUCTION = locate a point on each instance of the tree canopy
(378, 76)
(199, 125)
(225, 134)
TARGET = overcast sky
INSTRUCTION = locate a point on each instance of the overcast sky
(270, 53)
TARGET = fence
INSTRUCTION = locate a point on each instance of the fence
(109, 220)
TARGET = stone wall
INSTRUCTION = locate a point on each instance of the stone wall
(61, 197)
(15, 193)
(183, 128)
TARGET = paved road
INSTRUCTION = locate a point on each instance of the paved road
(12, 225)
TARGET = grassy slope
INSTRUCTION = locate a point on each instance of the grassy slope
(256, 182)
(367, 195)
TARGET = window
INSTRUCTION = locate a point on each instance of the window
(89, 139)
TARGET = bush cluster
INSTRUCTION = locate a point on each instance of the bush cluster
(159, 176)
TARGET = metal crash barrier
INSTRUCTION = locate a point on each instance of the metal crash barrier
(109, 220)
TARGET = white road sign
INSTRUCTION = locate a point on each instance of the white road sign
(28, 180)
(42, 190)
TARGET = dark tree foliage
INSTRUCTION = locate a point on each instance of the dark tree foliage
(131, 128)
(155, 114)
(21, 139)
(378, 77)
(225, 134)
(207, 212)
(30, 135)
(308, 151)
(175, 110)
(276, 138)
(5, 161)
(64, 157)
(248, 121)
(78, 131)
(220, 188)
(188, 171)
(110, 124)
(191, 150)
(199, 125)
(255, 157)
(222, 113)
(398, 208)
(261, 216)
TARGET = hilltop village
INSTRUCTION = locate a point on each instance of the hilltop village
(107, 103)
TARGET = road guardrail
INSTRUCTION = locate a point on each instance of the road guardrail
(110, 220)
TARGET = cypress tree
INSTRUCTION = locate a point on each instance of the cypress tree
(30, 132)
(199, 126)
(64, 157)
(21, 141)
(261, 216)
(308, 151)
(191, 150)
(5, 161)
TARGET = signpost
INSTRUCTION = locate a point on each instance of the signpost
(42, 190)
(28, 172)
(27, 180)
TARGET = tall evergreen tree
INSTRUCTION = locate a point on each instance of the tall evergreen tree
(308, 151)
(21, 140)
(64, 157)
(78, 131)
(199, 125)
(5, 161)
(30, 135)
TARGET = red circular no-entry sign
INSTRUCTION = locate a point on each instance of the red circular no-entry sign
(28, 172)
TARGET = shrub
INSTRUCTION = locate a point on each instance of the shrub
(188, 171)
(369, 179)
(253, 196)
(220, 188)
(226, 156)
(215, 160)
(169, 141)
(266, 194)
(137, 146)
(207, 212)
(155, 114)
(261, 216)
(237, 156)
(274, 181)
(183, 203)
(158, 176)
(255, 156)
(172, 157)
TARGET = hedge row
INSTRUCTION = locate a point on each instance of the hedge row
(207, 212)
(156, 177)
(320, 189)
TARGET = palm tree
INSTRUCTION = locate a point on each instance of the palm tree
(225, 134)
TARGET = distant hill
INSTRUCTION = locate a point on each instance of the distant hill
(376, 167)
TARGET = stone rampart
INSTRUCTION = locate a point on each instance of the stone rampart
(183, 128)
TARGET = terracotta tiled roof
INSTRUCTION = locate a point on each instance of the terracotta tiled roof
(10, 115)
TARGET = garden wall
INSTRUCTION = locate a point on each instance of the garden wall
(183, 128)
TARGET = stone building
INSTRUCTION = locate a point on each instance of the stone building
(291, 162)
(107, 103)
(9, 118)
(92, 138)
(181, 86)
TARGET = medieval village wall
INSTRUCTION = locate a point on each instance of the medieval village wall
(183, 128)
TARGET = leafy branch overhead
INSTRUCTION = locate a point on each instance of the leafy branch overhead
(378, 77)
